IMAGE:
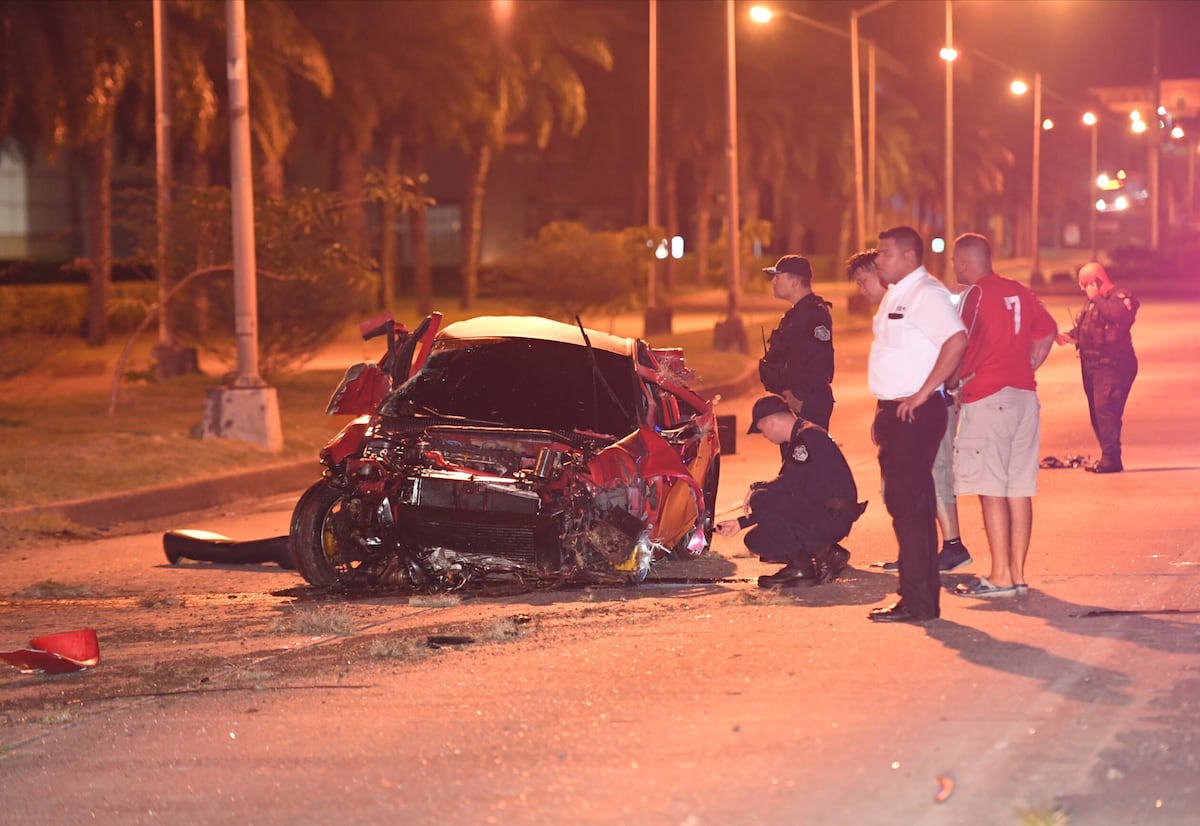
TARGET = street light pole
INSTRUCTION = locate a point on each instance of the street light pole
(247, 409)
(657, 320)
(860, 232)
(949, 54)
(1036, 269)
(162, 162)
(1090, 119)
(871, 131)
(730, 334)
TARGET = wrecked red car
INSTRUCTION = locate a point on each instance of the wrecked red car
(510, 446)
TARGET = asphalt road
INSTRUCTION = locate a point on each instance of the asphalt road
(704, 703)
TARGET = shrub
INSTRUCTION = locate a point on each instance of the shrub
(569, 270)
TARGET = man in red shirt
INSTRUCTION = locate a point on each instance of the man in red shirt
(1009, 334)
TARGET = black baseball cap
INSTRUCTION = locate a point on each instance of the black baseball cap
(766, 406)
(796, 265)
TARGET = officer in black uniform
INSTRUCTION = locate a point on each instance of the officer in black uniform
(798, 517)
(1109, 366)
(798, 364)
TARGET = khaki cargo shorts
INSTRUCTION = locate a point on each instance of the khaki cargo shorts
(996, 451)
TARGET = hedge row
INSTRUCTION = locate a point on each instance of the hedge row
(62, 308)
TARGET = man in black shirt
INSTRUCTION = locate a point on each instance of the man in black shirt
(798, 364)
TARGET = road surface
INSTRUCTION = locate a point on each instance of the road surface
(235, 695)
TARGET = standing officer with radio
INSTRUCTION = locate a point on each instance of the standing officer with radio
(798, 364)
(1106, 357)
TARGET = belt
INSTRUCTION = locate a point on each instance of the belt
(892, 404)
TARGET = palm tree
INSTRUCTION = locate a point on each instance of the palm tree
(403, 81)
(534, 86)
(68, 97)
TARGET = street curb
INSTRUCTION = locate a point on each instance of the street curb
(102, 512)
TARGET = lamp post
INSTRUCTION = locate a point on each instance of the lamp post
(247, 409)
(1090, 120)
(1036, 268)
(730, 334)
(860, 232)
(657, 319)
(948, 54)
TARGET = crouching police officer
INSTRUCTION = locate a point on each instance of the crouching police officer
(798, 517)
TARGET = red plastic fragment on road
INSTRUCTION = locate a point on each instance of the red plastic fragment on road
(57, 653)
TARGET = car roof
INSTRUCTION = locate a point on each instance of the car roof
(535, 327)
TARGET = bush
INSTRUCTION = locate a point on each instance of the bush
(61, 309)
(569, 271)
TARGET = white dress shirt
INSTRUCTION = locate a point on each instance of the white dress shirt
(914, 320)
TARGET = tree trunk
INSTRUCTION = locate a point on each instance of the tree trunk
(473, 224)
(350, 183)
(272, 177)
(201, 178)
(704, 206)
(98, 169)
(418, 231)
(388, 224)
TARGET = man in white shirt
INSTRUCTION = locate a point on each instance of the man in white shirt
(919, 342)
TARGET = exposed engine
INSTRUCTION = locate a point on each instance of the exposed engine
(442, 506)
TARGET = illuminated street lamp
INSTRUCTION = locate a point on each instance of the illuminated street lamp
(1091, 121)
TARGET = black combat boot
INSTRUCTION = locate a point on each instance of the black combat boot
(827, 563)
(789, 576)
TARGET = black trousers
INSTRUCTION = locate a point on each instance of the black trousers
(776, 539)
(906, 454)
(1107, 387)
(817, 408)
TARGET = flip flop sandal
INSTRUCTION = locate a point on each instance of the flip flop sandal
(1022, 587)
(983, 588)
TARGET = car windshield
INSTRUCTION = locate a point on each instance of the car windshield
(527, 383)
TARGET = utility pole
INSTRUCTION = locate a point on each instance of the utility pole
(247, 410)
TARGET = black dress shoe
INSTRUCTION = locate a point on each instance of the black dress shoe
(1105, 466)
(896, 613)
(789, 576)
(828, 563)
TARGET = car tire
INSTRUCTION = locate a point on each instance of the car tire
(316, 524)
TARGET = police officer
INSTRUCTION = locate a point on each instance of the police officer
(798, 364)
(1102, 337)
(798, 517)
